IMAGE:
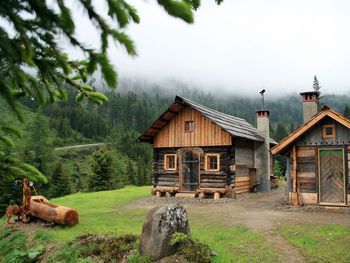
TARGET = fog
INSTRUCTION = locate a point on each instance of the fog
(240, 46)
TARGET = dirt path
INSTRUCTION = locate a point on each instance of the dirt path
(261, 213)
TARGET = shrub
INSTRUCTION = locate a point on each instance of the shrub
(192, 249)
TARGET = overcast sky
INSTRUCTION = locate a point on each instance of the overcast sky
(241, 45)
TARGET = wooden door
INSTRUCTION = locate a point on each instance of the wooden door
(331, 176)
(190, 171)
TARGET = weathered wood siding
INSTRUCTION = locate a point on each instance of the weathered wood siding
(244, 161)
(206, 133)
(307, 169)
(314, 136)
(207, 179)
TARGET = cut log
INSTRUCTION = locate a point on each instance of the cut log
(40, 207)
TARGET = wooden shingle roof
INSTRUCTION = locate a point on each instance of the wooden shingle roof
(284, 144)
(237, 127)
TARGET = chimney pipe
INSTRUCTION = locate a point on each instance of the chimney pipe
(263, 150)
(310, 107)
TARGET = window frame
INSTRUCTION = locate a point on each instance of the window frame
(206, 168)
(165, 162)
(190, 124)
(324, 129)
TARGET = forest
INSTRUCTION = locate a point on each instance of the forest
(121, 160)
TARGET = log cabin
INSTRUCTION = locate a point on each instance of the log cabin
(201, 152)
(318, 156)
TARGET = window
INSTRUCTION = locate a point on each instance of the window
(189, 126)
(212, 162)
(170, 162)
(328, 131)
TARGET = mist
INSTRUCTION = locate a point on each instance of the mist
(238, 47)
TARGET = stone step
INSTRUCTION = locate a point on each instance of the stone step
(185, 195)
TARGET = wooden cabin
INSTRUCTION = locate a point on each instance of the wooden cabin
(200, 151)
(318, 155)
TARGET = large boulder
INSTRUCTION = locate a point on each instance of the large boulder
(161, 223)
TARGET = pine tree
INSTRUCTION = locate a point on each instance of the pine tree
(60, 184)
(277, 168)
(131, 174)
(40, 146)
(280, 132)
(39, 149)
(316, 86)
(101, 177)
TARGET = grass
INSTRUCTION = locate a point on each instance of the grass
(103, 212)
(320, 243)
(109, 212)
(236, 244)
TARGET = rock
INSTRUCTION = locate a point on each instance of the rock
(160, 224)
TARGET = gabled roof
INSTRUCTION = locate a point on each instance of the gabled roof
(235, 126)
(291, 138)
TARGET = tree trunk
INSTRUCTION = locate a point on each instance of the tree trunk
(41, 208)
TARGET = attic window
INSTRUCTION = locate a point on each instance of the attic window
(189, 126)
(170, 162)
(328, 131)
(212, 162)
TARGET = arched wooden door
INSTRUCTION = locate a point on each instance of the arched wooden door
(190, 165)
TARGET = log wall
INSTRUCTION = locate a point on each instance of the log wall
(207, 179)
(205, 132)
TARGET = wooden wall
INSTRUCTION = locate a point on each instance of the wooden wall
(206, 133)
(307, 169)
(162, 177)
(219, 179)
(208, 179)
(307, 172)
(314, 136)
(244, 162)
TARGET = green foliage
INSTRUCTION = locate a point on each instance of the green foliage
(60, 184)
(13, 247)
(101, 176)
(178, 8)
(192, 249)
(280, 132)
(277, 170)
(178, 238)
(105, 248)
(34, 44)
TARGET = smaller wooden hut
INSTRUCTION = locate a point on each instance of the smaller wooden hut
(318, 156)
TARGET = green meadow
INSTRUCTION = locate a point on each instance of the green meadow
(112, 213)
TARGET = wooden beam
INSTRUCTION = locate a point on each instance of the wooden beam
(294, 169)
